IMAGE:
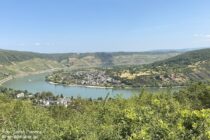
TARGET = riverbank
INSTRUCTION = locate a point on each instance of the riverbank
(74, 85)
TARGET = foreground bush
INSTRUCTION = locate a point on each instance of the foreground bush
(144, 116)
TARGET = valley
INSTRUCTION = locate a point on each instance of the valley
(164, 69)
(84, 98)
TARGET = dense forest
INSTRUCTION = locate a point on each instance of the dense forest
(181, 115)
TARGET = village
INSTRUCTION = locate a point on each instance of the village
(95, 78)
(45, 99)
(84, 78)
(48, 99)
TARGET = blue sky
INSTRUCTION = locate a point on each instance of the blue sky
(103, 25)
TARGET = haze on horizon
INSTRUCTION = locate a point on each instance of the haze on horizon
(52, 26)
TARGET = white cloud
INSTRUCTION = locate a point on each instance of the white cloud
(203, 37)
(208, 36)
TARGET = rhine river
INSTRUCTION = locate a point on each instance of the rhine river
(37, 83)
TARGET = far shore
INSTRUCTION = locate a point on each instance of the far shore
(74, 85)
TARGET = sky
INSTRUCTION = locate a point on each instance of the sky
(52, 26)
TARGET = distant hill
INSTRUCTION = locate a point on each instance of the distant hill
(104, 59)
(7, 57)
(98, 59)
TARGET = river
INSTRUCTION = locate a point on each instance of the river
(37, 83)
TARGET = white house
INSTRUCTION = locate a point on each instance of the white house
(20, 95)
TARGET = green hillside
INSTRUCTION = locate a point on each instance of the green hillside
(180, 70)
(187, 58)
(6, 57)
(9, 56)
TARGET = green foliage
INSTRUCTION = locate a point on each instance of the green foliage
(198, 93)
(164, 116)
